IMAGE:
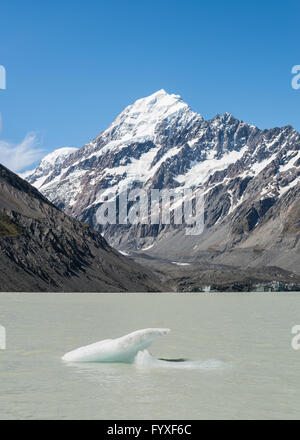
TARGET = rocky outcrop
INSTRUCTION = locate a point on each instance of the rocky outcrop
(43, 249)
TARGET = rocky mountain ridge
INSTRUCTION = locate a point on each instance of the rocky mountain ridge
(250, 179)
(43, 249)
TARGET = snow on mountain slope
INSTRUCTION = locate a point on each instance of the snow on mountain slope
(47, 166)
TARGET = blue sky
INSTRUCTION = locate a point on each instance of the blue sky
(72, 66)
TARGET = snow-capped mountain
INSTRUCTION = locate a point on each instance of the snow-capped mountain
(159, 142)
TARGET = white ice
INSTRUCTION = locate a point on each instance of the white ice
(131, 348)
(123, 349)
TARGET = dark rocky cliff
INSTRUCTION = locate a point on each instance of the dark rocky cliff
(43, 249)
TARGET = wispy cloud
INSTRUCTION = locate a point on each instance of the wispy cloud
(18, 157)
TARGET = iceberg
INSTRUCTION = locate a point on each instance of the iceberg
(123, 349)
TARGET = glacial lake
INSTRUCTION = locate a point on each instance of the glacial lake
(239, 359)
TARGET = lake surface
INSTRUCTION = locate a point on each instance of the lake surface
(240, 363)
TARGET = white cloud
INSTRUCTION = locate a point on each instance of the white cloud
(17, 157)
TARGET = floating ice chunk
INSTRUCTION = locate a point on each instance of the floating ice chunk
(123, 349)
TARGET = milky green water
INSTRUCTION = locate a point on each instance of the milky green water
(245, 366)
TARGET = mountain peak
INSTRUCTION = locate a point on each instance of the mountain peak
(140, 120)
(160, 99)
(160, 92)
